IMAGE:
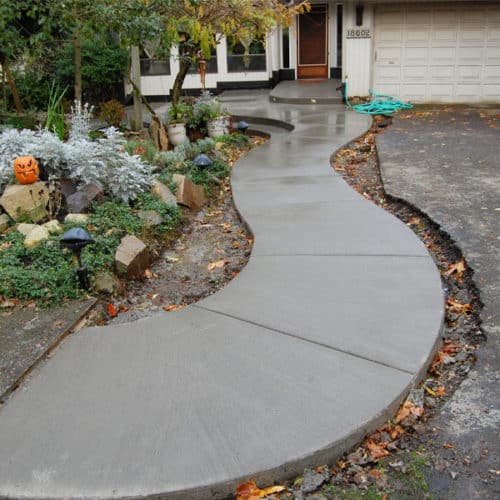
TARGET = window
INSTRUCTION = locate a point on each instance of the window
(151, 67)
(238, 62)
(211, 63)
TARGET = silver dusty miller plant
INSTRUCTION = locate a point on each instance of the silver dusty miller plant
(102, 162)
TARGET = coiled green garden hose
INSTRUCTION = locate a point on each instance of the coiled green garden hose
(381, 104)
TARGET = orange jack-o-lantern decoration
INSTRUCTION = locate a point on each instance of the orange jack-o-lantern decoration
(26, 169)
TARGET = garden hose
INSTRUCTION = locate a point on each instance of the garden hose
(381, 104)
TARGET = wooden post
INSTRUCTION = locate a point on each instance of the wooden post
(135, 78)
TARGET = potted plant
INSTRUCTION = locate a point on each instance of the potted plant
(208, 110)
(176, 127)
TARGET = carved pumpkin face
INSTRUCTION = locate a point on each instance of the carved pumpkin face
(26, 169)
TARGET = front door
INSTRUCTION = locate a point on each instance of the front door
(313, 43)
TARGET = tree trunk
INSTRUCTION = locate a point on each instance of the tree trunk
(12, 83)
(179, 80)
(135, 77)
(77, 42)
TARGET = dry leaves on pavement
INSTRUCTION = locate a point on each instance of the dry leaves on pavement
(250, 491)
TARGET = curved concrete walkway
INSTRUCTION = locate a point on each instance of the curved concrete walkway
(311, 346)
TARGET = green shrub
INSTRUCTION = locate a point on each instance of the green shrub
(113, 112)
(104, 64)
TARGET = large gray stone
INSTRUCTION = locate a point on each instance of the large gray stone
(76, 219)
(4, 222)
(81, 200)
(28, 201)
(131, 257)
(162, 192)
(36, 236)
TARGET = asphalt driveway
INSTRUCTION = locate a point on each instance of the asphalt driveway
(446, 162)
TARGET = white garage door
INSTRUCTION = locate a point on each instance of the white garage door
(440, 53)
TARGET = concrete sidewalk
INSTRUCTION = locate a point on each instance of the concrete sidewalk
(314, 344)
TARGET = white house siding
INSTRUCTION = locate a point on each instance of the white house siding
(440, 52)
(357, 52)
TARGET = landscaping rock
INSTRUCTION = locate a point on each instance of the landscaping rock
(4, 222)
(154, 130)
(313, 480)
(131, 257)
(188, 193)
(36, 236)
(81, 200)
(26, 201)
(53, 227)
(105, 282)
(26, 229)
(151, 217)
(67, 187)
(159, 190)
(77, 218)
(159, 135)
(163, 138)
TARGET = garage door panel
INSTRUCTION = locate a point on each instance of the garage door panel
(442, 73)
(492, 56)
(388, 73)
(471, 15)
(491, 74)
(491, 91)
(493, 14)
(415, 74)
(417, 36)
(493, 34)
(441, 90)
(418, 17)
(389, 88)
(469, 73)
(392, 15)
(444, 35)
(444, 16)
(392, 36)
(442, 55)
(417, 92)
(389, 55)
(472, 36)
(450, 52)
(416, 56)
(470, 91)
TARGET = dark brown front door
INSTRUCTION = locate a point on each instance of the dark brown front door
(313, 43)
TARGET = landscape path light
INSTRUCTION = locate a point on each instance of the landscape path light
(242, 126)
(76, 239)
(202, 161)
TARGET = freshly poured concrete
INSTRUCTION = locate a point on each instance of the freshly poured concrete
(311, 346)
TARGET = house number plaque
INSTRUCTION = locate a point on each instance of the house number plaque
(358, 33)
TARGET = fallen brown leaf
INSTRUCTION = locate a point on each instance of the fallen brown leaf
(457, 269)
(250, 491)
(457, 307)
(172, 307)
(113, 313)
(376, 450)
(217, 264)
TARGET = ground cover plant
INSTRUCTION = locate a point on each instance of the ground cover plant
(124, 169)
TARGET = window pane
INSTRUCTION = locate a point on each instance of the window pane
(211, 64)
(237, 61)
(150, 67)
